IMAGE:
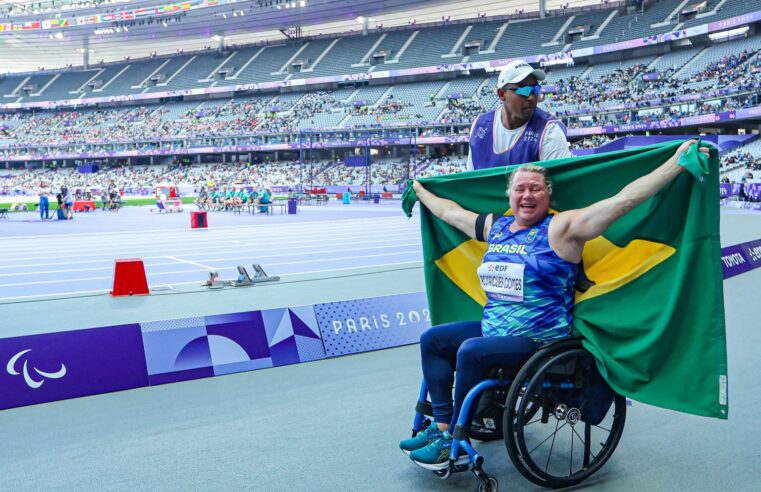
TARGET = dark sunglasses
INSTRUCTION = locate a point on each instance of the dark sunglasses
(526, 90)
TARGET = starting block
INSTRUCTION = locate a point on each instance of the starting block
(244, 279)
(129, 278)
(213, 282)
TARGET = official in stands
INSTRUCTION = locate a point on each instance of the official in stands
(44, 204)
(68, 203)
(528, 275)
(104, 199)
(202, 200)
(516, 132)
(265, 198)
(216, 199)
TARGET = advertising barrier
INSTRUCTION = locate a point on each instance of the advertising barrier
(741, 258)
(362, 325)
(57, 366)
(205, 346)
(70, 364)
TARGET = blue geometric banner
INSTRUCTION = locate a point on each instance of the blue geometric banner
(362, 325)
(192, 348)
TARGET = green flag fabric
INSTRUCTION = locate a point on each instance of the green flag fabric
(654, 318)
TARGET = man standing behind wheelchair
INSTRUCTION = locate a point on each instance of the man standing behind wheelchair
(528, 274)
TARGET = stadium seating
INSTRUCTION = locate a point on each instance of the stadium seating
(590, 93)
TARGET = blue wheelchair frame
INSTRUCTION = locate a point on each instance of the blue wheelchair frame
(460, 442)
(460, 438)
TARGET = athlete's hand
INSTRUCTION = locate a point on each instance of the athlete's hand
(694, 162)
(686, 146)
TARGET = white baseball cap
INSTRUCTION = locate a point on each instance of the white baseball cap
(517, 70)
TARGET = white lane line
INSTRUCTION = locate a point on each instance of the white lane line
(58, 294)
(126, 250)
(302, 236)
(163, 237)
(199, 282)
(242, 226)
(187, 262)
(311, 250)
(223, 249)
(269, 265)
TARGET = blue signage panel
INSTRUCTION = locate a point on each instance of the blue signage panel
(56, 366)
(362, 325)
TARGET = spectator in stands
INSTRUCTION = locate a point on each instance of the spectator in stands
(516, 132)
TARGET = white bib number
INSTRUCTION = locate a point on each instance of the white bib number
(503, 281)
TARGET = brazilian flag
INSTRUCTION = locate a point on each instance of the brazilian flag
(654, 317)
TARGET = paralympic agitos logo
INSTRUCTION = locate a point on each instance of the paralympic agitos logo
(33, 377)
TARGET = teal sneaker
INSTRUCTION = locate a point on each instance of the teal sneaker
(422, 439)
(435, 455)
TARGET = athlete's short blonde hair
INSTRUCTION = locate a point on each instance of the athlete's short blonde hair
(530, 168)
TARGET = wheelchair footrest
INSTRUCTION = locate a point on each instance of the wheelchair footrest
(424, 408)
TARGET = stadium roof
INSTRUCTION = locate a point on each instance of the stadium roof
(205, 22)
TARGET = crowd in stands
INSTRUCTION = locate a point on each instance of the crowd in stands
(382, 172)
(212, 177)
(389, 106)
(119, 177)
(591, 142)
(461, 111)
(141, 123)
(579, 101)
(441, 165)
(741, 159)
(625, 86)
(287, 117)
(209, 176)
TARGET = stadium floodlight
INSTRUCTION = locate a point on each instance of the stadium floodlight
(303, 3)
(360, 19)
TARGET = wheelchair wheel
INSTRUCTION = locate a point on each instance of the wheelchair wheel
(562, 421)
(489, 485)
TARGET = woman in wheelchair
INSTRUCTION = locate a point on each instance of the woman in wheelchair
(528, 274)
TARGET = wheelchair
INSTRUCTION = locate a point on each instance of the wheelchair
(560, 420)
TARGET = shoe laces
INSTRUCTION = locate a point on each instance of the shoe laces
(433, 432)
(441, 442)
